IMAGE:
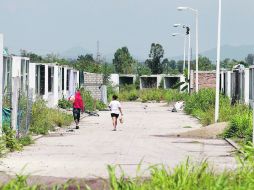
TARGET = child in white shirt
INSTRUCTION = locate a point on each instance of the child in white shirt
(116, 110)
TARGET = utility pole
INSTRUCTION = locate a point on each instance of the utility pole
(217, 101)
(189, 55)
(98, 56)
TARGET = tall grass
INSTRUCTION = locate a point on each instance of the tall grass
(202, 106)
(130, 93)
(90, 103)
(239, 116)
(45, 119)
(190, 176)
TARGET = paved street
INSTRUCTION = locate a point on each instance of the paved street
(87, 152)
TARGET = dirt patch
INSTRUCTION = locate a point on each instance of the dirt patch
(49, 182)
(208, 132)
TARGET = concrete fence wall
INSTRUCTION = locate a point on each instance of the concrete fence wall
(93, 83)
(206, 79)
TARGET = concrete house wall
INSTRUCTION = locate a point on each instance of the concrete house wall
(151, 81)
(171, 80)
(127, 79)
(55, 80)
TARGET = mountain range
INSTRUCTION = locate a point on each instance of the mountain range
(227, 51)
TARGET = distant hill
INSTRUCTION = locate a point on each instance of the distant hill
(227, 51)
(74, 52)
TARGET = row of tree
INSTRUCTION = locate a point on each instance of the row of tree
(124, 63)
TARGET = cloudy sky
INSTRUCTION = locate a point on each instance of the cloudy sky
(57, 25)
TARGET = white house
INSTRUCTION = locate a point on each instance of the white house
(52, 81)
(171, 80)
(150, 81)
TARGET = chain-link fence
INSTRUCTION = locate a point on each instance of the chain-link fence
(17, 107)
(7, 107)
(24, 110)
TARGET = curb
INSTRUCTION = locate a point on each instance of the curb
(233, 144)
(37, 137)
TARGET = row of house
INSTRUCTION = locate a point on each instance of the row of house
(238, 84)
(49, 81)
(147, 81)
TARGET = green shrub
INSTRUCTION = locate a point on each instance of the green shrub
(10, 140)
(203, 100)
(40, 122)
(202, 106)
(240, 126)
(26, 140)
(59, 118)
(110, 92)
(64, 103)
(90, 103)
(152, 95)
(45, 119)
(100, 105)
(130, 93)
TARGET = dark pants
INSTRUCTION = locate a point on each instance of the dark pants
(76, 114)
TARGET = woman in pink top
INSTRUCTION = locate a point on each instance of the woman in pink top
(78, 106)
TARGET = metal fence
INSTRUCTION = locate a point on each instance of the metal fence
(17, 107)
(24, 110)
(7, 107)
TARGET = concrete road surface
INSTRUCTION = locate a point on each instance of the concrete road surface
(86, 152)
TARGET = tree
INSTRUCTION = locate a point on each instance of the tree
(230, 63)
(179, 66)
(34, 58)
(123, 61)
(154, 63)
(166, 66)
(204, 64)
(88, 64)
(172, 64)
(107, 70)
(250, 59)
(143, 70)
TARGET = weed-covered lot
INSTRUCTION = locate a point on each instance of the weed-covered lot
(202, 106)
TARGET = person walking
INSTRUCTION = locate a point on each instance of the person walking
(116, 110)
(78, 106)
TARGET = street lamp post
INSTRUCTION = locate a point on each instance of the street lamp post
(189, 58)
(197, 41)
(189, 49)
(217, 101)
(184, 48)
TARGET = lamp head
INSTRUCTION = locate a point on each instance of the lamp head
(177, 25)
(175, 34)
(182, 8)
